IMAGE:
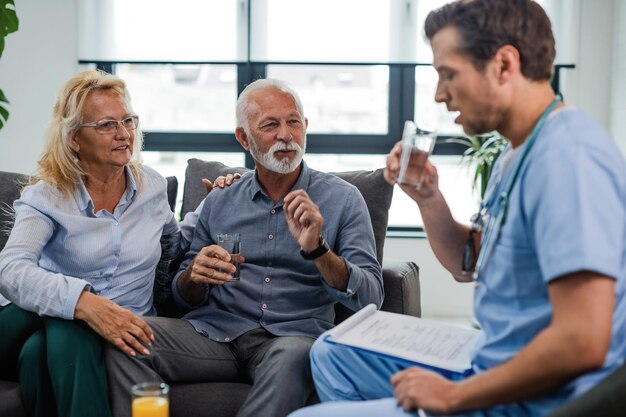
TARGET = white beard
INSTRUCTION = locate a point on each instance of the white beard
(280, 166)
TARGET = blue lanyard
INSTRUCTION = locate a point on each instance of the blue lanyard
(502, 204)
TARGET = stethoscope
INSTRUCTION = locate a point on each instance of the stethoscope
(494, 223)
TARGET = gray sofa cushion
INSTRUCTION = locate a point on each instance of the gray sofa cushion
(11, 400)
(376, 192)
(172, 191)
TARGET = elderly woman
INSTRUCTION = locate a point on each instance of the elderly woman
(79, 264)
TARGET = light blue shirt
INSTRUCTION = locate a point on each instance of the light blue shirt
(59, 247)
(567, 213)
(279, 290)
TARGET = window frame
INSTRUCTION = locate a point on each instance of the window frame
(401, 108)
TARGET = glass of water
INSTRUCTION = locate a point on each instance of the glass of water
(232, 243)
(417, 145)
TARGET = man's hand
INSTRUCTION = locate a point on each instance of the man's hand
(416, 168)
(416, 388)
(127, 331)
(210, 264)
(304, 219)
(220, 182)
(207, 268)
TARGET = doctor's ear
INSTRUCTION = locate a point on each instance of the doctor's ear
(507, 63)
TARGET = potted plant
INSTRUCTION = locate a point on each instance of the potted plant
(8, 24)
(480, 155)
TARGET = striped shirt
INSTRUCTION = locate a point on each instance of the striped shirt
(59, 247)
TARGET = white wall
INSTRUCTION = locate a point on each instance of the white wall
(36, 62)
(441, 295)
(593, 45)
(618, 98)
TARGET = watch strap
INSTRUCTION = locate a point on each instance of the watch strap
(316, 253)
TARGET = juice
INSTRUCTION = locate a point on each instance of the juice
(151, 407)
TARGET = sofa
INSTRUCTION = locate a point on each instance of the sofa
(400, 279)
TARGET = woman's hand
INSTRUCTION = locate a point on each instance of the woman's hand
(127, 331)
(220, 182)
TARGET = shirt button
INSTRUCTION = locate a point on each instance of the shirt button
(270, 236)
(267, 279)
(264, 306)
(270, 263)
(227, 339)
(273, 211)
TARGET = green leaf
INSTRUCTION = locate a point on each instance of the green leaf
(9, 22)
(460, 141)
(4, 113)
(481, 153)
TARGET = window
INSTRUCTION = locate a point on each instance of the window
(183, 97)
(340, 99)
(361, 70)
(159, 30)
(350, 32)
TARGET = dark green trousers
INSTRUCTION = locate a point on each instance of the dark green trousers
(16, 326)
(59, 365)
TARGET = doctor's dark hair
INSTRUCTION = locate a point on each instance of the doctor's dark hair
(484, 26)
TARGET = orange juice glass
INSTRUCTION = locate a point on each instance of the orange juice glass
(150, 399)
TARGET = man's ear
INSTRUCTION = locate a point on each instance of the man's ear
(242, 138)
(506, 63)
(306, 123)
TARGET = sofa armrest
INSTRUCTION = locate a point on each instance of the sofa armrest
(402, 290)
(402, 287)
(172, 192)
(605, 399)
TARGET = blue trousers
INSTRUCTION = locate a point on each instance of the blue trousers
(352, 382)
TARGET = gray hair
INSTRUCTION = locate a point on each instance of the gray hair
(243, 102)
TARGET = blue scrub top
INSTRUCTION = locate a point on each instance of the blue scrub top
(566, 213)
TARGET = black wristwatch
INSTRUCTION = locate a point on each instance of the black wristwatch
(316, 253)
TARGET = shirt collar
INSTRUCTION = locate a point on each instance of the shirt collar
(301, 183)
(84, 199)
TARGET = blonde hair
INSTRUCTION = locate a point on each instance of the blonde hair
(59, 164)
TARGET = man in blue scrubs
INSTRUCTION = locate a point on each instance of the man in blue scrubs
(550, 239)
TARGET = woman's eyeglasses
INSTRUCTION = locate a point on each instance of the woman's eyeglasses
(106, 127)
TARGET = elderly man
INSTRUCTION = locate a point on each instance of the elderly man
(308, 243)
(551, 268)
